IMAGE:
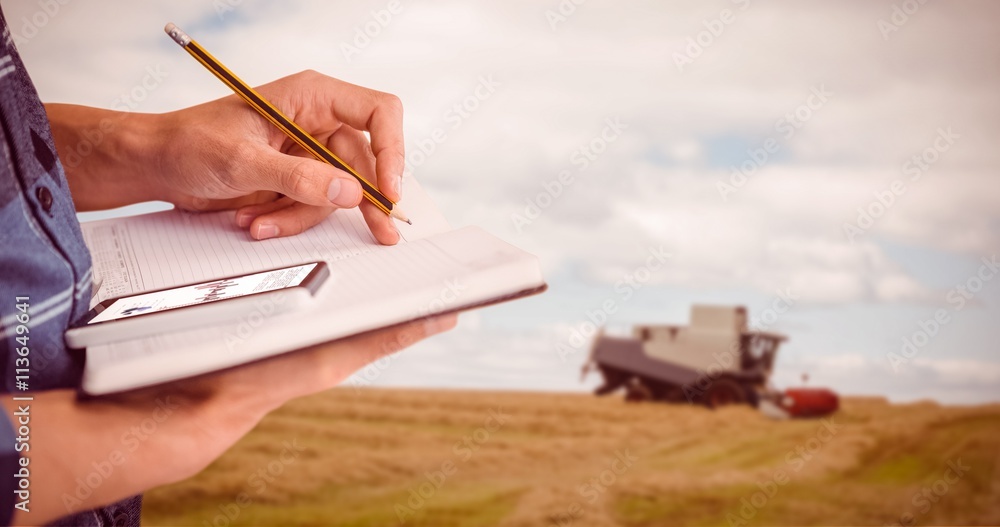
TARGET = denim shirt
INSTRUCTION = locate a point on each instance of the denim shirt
(44, 267)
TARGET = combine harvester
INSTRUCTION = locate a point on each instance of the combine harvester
(713, 362)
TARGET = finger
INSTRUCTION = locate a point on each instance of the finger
(357, 352)
(381, 114)
(288, 220)
(303, 179)
(380, 224)
(355, 144)
(265, 385)
(246, 214)
(387, 145)
(353, 147)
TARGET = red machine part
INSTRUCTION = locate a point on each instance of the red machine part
(810, 402)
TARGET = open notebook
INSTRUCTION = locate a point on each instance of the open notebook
(432, 270)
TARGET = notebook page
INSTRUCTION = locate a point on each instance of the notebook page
(169, 248)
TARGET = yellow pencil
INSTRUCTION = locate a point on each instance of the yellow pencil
(286, 125)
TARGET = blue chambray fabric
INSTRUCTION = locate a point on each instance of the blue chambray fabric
(42, 257)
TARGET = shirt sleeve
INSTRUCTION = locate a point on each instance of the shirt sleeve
(8, 467)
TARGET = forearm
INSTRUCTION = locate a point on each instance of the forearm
(108, 156)
(86, 454)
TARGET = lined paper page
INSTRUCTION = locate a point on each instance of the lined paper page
(170, 248)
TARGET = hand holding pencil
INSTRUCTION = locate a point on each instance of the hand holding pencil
(277, 181)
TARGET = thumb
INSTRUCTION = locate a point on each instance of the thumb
(303, 179)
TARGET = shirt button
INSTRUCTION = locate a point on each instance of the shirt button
(44, 196)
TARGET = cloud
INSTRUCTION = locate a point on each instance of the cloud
(656, 185)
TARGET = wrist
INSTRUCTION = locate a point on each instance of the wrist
(110, 158)
(131, 156)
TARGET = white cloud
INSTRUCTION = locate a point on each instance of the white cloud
(656, 184)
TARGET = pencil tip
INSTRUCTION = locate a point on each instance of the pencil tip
(398, 214)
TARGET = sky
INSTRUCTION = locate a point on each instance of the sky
(830, 166)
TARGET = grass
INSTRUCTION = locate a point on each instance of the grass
(366, 454)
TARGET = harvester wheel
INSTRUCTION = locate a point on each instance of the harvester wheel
(675, 395)
(723, 392)
(636, 391)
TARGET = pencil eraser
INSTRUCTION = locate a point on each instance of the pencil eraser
(177, 34)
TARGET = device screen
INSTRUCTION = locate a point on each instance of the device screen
(146, 303)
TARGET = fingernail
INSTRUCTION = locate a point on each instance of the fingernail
(343, 195)
(266, 230)
(432, 326)
(244, 219)
(437, 324)
(398, 186)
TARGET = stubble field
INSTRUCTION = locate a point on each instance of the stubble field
(377, 457)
